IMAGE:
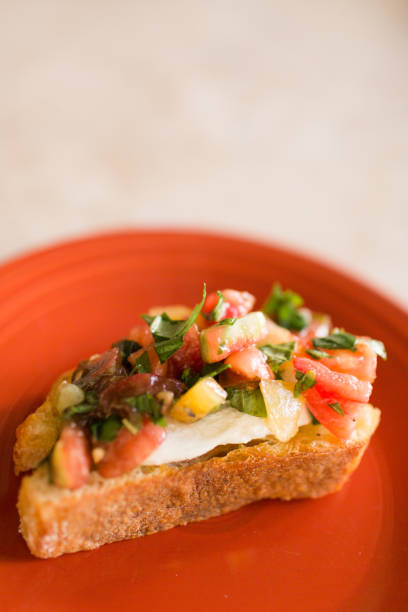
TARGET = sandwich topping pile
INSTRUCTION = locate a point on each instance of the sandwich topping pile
(186, 381)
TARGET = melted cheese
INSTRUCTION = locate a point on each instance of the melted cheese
(187, 441)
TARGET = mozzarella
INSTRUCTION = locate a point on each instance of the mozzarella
(185, 441)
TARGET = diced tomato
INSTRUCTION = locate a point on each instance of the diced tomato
(141, 333)
(251, 364)
(155, 364)
(188, 356)
(127, 451)
(70, 459)
(335, 383)
(361, 363)
(341, 426)
(236, 304)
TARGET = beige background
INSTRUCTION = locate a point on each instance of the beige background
(286, 120)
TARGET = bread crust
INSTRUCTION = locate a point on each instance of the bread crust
(37, 434)
(56, 521)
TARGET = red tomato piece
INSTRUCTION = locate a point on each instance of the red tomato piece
(127, 451)
(361, 363)
(335, 383)
(141, 333)
(70, 459)
(251, 364)
(236, 304)
(339, 425)
(188, 356)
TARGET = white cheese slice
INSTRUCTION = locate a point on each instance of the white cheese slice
(186, 441)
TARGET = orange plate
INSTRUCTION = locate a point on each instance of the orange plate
(347, 551)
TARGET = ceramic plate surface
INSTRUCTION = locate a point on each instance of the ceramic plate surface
(347, 551)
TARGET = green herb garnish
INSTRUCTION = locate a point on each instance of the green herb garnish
(283, 307)
(109, 429)
(336, 407)
(316, 354)
(142, 364)
(216, 313)
(277, 354)
(228, 321)
(305, 381)
(146, 404)
(247, 399)
(169, 334)
(190, 378)
(213, 369)
(126, 348)
(337, 340)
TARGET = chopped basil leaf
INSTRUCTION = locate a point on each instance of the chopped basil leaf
(316, 354)
(127, 347)
(247, 399)
(277, 354)
(314, 420)
(190, 378)
(142, 364)
(146, 404)
(229, 321)
(305, 381)
(169, 334)
(216, 312)
(109, 429)
(213, 369)
(337, 340)
(166, 348)
(283, 307)
(376, 345)
(78, 409)
(336, 407)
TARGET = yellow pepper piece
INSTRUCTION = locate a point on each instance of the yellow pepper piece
(198, 401)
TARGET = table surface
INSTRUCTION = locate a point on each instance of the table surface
(286, 121)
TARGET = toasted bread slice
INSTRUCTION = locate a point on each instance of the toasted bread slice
(149, 499)
(37, 434)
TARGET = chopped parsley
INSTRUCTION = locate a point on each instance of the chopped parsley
(283, 307)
